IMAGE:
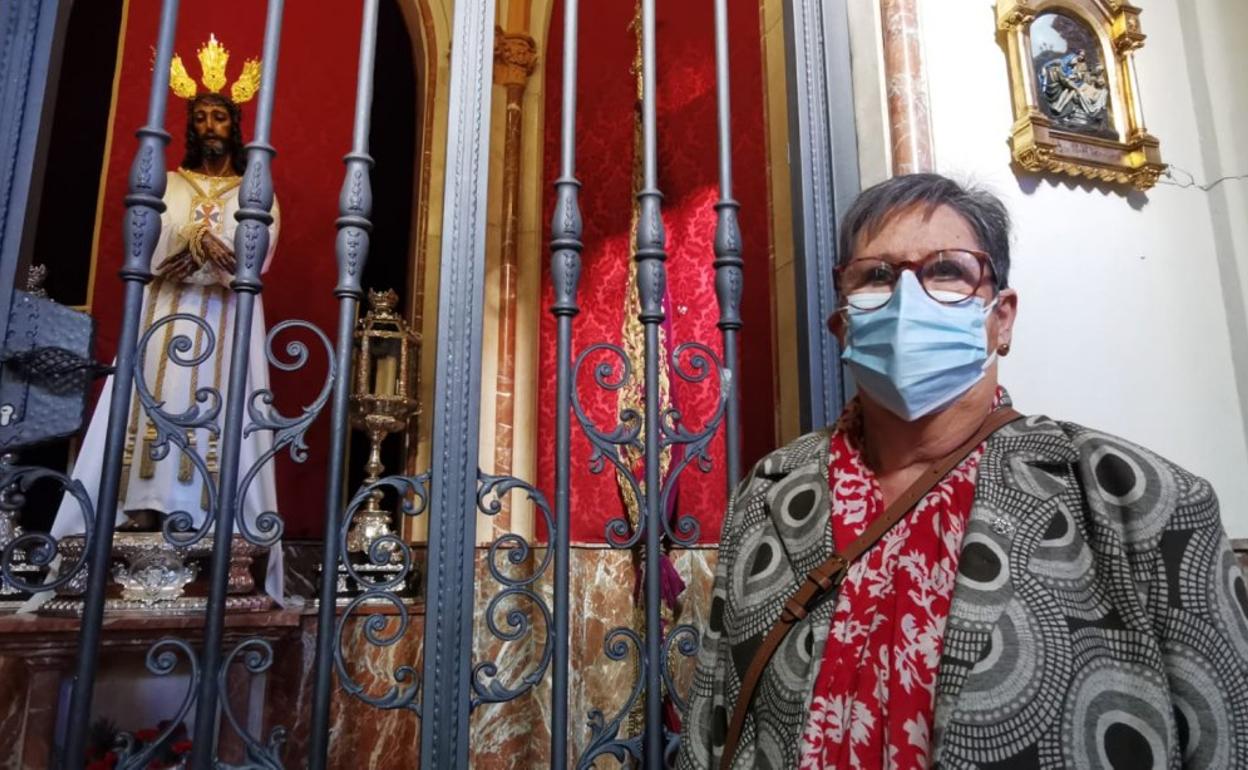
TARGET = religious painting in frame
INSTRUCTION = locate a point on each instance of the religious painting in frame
(1074, 89)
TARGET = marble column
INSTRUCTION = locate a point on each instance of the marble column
(910, 127)
(43, 692)
(515, 56)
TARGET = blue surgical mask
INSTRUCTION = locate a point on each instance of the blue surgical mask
(914, 355)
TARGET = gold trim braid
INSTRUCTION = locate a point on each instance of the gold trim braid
(136, 409)
(147, 465)
(213, 460)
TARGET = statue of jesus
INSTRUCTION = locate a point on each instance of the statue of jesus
(192, 267)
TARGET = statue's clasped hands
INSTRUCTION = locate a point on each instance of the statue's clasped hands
(202, 248)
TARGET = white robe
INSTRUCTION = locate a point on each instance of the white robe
(205, 294)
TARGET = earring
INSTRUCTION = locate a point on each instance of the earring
(1003, 349)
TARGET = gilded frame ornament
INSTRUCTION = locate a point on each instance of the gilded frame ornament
(1054, 97)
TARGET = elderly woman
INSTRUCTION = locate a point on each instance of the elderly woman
(1057, 597)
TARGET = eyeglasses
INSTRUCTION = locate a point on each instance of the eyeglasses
(949, 276)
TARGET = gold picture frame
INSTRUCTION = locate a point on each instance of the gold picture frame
(1076, 99)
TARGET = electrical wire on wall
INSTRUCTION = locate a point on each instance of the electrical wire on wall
(1170, 177)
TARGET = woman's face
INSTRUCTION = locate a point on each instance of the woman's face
(918, 231)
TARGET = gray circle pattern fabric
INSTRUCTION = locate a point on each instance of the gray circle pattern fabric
(1100, 618)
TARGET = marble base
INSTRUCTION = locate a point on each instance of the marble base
(36, 654)
(504, 735)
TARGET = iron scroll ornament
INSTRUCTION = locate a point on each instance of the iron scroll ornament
(694, 363)
(39, 549)
(384, 629)
(486, 688)
(174, 430)
(178, 529)
(406, 692)
(287, 431)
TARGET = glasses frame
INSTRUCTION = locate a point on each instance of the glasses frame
(986, 270)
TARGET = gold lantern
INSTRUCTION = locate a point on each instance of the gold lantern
(383, 400)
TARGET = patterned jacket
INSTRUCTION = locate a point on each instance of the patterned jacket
(1098, 620)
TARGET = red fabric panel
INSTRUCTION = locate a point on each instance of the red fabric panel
(311, 130)
(688, 177)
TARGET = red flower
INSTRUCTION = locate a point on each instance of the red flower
(181, 747)
(146, 736)
(107, 762)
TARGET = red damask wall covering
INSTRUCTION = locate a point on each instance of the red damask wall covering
(311, 131)
(688, 177)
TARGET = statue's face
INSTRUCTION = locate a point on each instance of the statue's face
(212, 125)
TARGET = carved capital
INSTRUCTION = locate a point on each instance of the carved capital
(1013, 15)
(1125, 28)
(515, 57)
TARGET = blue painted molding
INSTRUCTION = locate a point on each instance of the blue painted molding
(31, 33)
(457, 399)
(823, 152)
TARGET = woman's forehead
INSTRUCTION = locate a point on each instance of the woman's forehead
(915, 228)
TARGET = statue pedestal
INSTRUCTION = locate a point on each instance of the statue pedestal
(349, 588)
(150, 575)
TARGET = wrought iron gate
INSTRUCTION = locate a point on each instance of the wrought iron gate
(454, 488)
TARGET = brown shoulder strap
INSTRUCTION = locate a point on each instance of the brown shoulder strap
(827, 575)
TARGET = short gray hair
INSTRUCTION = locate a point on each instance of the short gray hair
(983, 211)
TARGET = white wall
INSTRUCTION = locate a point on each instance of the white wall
(1131, 307)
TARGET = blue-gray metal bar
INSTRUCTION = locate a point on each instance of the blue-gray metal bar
(251, 246)
(565, 273)
(728, 262)
(823, 157)
(144, 205)
(457, 389)
(565, 245)
(355, 208)
(30, 55)
(651, 283)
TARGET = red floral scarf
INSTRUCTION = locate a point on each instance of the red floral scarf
(873, 698)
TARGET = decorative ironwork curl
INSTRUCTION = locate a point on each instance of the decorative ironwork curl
(38, 549)
(405, 693)
(686, 640)
(173, 429)
(603, 735)
(619, 532)
(692, 362)
(162, 659)
(287, 431)
(518, 549)
(701, 364)
(257, 659)
(413, 492)
(485, 686)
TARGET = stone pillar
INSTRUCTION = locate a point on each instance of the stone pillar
(515, 56)
(43, 692)
(910, 126)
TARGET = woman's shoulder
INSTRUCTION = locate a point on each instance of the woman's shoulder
(800, 452)
(1115, 470)
(805, 455)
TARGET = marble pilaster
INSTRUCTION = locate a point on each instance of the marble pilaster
(910, 125)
